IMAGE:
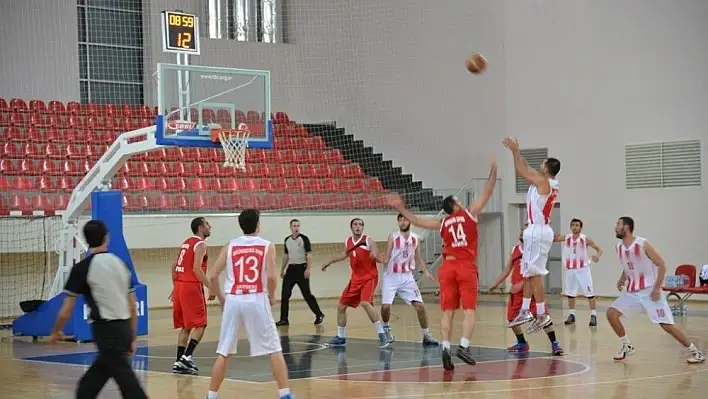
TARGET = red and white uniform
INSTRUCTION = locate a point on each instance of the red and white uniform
(246, 289)
(458, 275)
(365, 275)
(188, 301)
(398, 275)
(538, 236)
(576, 262)
(513, 307)
(641, 276)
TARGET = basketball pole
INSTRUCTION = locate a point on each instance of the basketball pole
(183, 88)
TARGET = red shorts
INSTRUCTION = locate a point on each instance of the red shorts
(188, 305)
(459, 283)
(513, 307)
(358, 291)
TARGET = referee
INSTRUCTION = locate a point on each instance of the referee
(105, 282)
(297, 260)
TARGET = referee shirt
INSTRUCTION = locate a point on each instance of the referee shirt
(105, 281)
(297, 249)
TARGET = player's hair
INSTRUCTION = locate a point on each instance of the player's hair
(197, 223)
(553, 166)
(578, 221)
(449, 204)
(351, 222)
(400, 216)
(294, 221)
(95, 232)
(248, 219)
(629, 222)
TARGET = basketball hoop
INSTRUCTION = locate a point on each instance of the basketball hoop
(234, 142)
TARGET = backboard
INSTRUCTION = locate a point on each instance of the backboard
(193, 100)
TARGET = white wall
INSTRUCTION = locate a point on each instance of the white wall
(39, 54)
(586, 77)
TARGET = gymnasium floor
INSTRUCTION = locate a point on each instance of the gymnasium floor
(658, 369)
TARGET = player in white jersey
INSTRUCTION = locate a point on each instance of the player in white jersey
(538, 236)
(246, 298)
(643, 274)
(402, 256)
(576, 262)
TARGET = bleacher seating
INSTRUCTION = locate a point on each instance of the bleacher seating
(45, 150)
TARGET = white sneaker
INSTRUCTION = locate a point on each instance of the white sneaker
(522, 318)
(540, 323)
(626, 351)
(695, 356)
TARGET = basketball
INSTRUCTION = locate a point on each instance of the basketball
(476, 63)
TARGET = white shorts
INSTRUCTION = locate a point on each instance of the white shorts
(630, 303)
(402, 284)
(253, 311)
(538, 239)
(578, 280)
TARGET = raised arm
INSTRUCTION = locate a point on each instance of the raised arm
(531, 175)
(214, 272)
(476, 208)
(396, 203)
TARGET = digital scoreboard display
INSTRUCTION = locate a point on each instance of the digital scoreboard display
(180, 32)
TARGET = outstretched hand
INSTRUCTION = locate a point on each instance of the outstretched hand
(394, 201)
(511, 143)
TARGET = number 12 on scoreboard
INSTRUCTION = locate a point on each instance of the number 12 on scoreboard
(180, 33)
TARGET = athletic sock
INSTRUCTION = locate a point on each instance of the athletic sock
(191, 346)
(551, 336)
(425, 331)
(571, 312)
(540, 308)
(283, 392)
(212, 395)
(625, 340)
(379, 327)
(386, 324)
(341, 332)
(525, 304)
(520, 338)
(180, 352)
(593, 312)
(465, 343)
(446, 345)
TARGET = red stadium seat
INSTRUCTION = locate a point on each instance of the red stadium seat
(36, 120)
(37, 106)
(61, 202)
(17, 120)
(275, 170)
(316, 185)
(182, 202)
(179, 184)
(65, 184)
(56, 107)
(92, 109)
(223, 117)
(298, 185)
(43, 202)
(258, 185)
(291, 170)
(34, 135)
(13, 134)
(3, 120)
(160, 202)
(281, 117)
(5, 184)
(18, 105)
(193, 169)
(255, 156)
(208, 116)
(308, 171)
(126, 110)
(208, 169)
(31, 150)
(143, 184)
(252, 117)
(213, 184)
(22, 183)
(144, 112)
(122, 184)
(11, 150)
(230, 185)
(50, 167)
(109, 109)
(160, 184)
(158, 169)
(55, 121)
(20, 203)
(240, 116)
(197, 184)
(27, 167)
(4, 106)
(7, 167)
(279, 185)
(72, 107)
(178, 169)
(46, 184)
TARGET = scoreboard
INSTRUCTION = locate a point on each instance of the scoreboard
(180, 33)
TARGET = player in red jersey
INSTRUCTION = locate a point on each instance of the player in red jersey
(458, 273)
(363, 254)
(513, 268)
(189, 312)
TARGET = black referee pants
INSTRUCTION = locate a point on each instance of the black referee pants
(295, 275)
(113, 339)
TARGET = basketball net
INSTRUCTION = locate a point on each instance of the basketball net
(234, 142)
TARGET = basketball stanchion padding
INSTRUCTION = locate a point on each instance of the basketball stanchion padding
(234, 142)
